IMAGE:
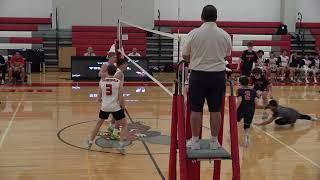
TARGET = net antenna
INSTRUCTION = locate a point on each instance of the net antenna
(179, 44)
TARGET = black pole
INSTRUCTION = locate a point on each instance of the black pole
(301, 36)
(57, 33)
(159, 40)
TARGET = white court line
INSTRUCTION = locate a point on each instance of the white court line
(93, 101)
(11, 122)
(285, 145)
(290, 148)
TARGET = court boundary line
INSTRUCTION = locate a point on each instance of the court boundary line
(285, 145)
(148, 151)
(3, 137)
(93, 150)
(289, 147)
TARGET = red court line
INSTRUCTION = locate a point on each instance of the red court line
(27, 90)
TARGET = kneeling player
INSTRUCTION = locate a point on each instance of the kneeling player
(263, 86)
(246, 104)
(283, 115)
(111, 97)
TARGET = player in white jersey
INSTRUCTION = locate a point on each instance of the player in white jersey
(122, 66)
(283, 64)
(260, 61)
(111, 97)
(315, 66)
(111, 58)
(305, 69)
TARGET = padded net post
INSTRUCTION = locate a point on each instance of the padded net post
(173, 141)
(234, 135)
(193, 167)
(182, 138)
(217, 163)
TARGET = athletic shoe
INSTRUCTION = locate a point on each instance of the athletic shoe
(115, 135)
(246, 141)
(88, 143)
(194, 145)
(299, 81)
(315, 81)
(214, 144)
(110, 129)
(265, 116)
(121, 149)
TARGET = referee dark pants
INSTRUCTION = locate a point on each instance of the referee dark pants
(209, 86)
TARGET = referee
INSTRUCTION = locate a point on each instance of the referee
(206, 49)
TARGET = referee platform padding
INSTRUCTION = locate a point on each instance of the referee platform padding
(205, 153)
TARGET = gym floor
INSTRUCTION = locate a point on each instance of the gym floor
(31, 117)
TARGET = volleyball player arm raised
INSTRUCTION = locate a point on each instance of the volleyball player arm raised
(103, 71)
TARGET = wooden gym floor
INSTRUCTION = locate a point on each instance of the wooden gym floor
(31, 117)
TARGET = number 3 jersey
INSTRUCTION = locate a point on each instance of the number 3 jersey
(110, 92)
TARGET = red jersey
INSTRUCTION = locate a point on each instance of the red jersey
(17, 59)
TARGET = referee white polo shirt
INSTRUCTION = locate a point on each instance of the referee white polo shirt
(207, 47)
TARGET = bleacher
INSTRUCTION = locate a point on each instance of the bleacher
(101, 38)
(314, 29)
(311, 32)
(19, 33)
(263, 35)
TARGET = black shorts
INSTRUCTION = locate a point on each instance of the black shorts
(119, 115)
(284, 121)
(246, 116)
(208, 86)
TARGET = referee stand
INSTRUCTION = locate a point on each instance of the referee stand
(189, 160)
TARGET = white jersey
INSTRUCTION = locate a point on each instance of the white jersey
(119, 71)
(110, 92)
(284, 61)
(259, 63)
(306, 64)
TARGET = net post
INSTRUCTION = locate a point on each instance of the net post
(173, 140)
(217, 163)
(118, 41)
(181, 126)
(234, 135)
(193, 167)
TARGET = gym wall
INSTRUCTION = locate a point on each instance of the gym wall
(25, 8)
(310, 10)
(90, 12)
(103, 12)
(228, 10)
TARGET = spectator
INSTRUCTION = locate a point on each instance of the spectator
(89, 52)
(283, 65)
(248, 58)
(293, 64)
(134, 52)
(206, 48)
(260, 60)
(3, 69)
(17, 64)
